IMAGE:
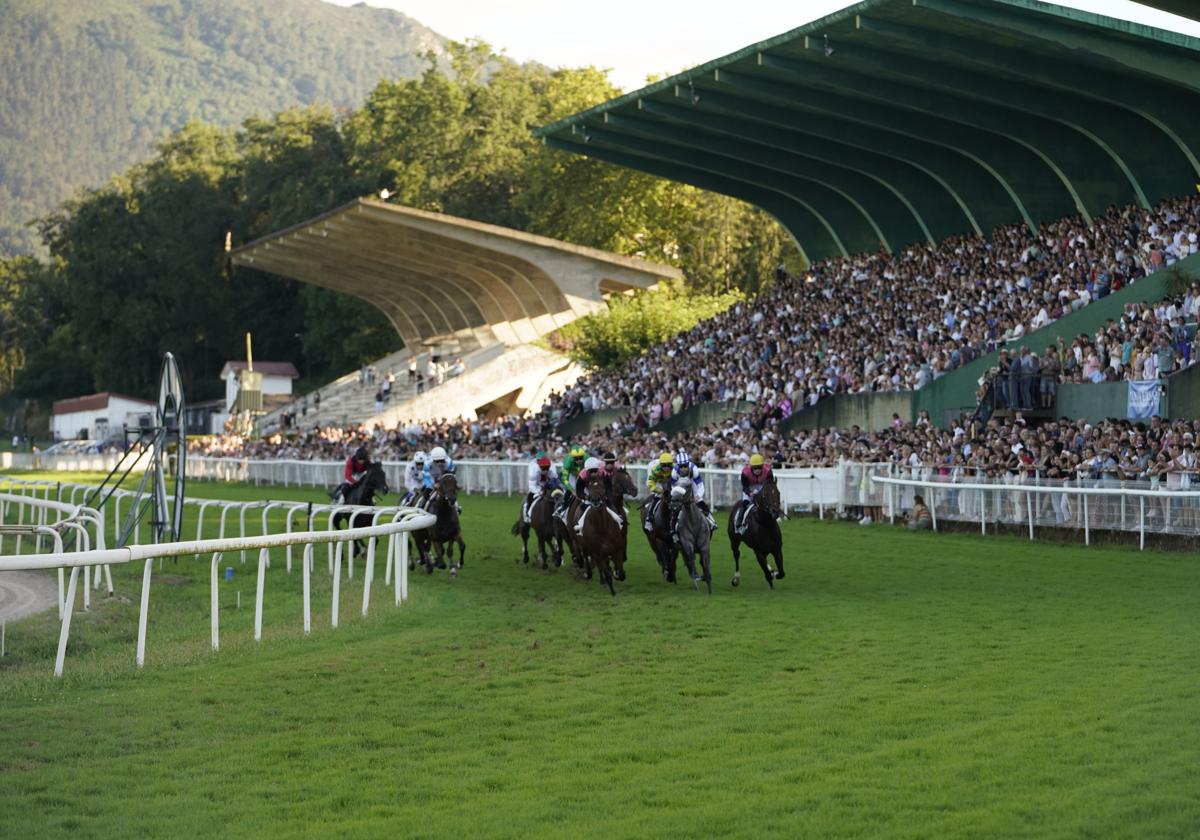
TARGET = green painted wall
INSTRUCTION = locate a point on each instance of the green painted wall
(701, 415)
(1183, 394)
(1094, 402)
(585, 423)
(868, 411)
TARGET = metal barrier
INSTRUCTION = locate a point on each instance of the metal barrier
(1090, 506)
(812, 489)
(34, 496)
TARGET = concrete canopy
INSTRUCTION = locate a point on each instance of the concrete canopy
(895, 121)
(440, 279)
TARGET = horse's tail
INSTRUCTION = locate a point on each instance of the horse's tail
(516, 528)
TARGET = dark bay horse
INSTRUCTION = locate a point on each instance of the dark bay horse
(542, 522)
(602, 535)
(620, 486)
(659, 535)
(362, 494)
(445, 532)
(761, 534)
(694, 536)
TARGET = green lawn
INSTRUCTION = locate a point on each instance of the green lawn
(897, 684)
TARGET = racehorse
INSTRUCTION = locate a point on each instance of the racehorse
(362, 494)
(542, 522)
(659, 535)
(445, 532)
(602, 535)
(761, 534)
(621, 485)
(694, 535)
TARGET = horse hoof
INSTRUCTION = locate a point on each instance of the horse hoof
(735, 581)
(779, 574)
(441, 564)
(454, 571)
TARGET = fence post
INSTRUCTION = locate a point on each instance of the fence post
(1086, 533)
(1029, 510)
(933, 507)
(66, 622)
(145, 611)
(1141, 523)
(307, 561)
(214, 583)
(263, 554)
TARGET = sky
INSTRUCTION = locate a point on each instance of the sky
(637, 38)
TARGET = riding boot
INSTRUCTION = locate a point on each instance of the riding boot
(526, 507)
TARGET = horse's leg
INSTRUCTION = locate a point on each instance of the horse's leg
(767, 571)
(735, 544)
(778, 552)
(462, 550)
(524, 531)
(706, 562)
(545, 563)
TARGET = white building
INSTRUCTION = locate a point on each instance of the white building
(276, 379)
(98, 416)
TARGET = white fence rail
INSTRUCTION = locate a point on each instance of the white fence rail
(43, 519)
(814, 489)
(1079, 504)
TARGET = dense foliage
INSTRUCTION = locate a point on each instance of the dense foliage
(89, 87)
(633, 323)
(138, 266)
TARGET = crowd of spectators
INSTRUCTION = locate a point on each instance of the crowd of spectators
(885, 322)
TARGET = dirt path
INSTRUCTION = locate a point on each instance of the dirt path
(26, 593)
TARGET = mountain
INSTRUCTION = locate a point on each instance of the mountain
(87, 87)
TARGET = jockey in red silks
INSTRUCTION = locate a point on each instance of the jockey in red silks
(356, 467)
(755, 476)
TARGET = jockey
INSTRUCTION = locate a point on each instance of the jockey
(659, 477)
(573, 463)
(356, 467)
(571, 467)
(438, 465)
(611, 465)
(543, 476)
(685, 469)
(414, 477)
(755, 476)
(592, 467)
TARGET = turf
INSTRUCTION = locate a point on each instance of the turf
(899, 684)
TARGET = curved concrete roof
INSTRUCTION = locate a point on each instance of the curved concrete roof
(894, 121)
(438, 277)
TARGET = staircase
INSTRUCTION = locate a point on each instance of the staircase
(346, 401)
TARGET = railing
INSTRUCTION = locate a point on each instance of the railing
(34, 497)
(811, 489)
(1090, 505)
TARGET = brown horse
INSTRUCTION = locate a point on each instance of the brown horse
(761, 534)
(602, 535)
(659, 535)
(620, 485)
(542, 522)
(445, 532)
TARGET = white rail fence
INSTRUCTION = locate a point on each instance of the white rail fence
(43, 521)
(1080, 504)
(812, 489)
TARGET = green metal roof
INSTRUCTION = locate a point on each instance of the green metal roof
(894, 121)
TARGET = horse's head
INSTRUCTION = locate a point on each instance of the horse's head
(447, 487)
(593, 489)
(377, 479)
(622, 483)
(768, 500)
(681, 493)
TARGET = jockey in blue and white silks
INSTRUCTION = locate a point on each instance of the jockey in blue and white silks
(414, 477)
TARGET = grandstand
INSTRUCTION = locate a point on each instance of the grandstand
(451, 287)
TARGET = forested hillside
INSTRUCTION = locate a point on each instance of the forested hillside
(88, 86)
(137, 266)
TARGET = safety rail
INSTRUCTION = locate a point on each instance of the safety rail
(1099, 507)
(815, 489)
(35, 495)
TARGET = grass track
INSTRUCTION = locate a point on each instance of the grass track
(909, 685)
